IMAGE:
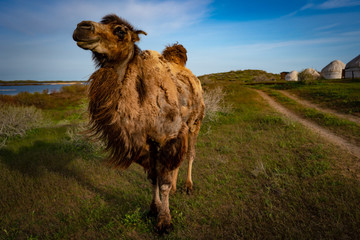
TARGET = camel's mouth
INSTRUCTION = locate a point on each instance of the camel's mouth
(87, 44)
(84, 35)
(85, 41)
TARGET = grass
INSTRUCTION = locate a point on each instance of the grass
(240, 76)
(257, 175)
(342, 127)
(341, 95)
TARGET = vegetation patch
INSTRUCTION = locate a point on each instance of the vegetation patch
(256, 175)
(67, 96)
(340, 95)
(342, 127)
(240, 76)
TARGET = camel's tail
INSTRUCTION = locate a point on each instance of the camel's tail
(176, 54)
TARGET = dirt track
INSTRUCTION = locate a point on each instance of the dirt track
(329, 136)
(317, 107)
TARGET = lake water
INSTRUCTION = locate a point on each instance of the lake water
(13, 90)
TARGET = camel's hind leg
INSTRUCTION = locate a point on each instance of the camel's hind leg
(174, 180)
(191, 157)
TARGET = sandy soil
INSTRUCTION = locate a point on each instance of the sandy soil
(326, 134)
(63, 83)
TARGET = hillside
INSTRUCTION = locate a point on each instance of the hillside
(241, 76)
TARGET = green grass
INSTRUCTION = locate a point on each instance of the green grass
(240, 76)
(257, 175)
(339, 126)
(341, 95)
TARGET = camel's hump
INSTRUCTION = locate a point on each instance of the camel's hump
(175, 53)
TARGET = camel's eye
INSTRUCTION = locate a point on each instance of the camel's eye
(119, 32)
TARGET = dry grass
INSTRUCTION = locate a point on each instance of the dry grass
(215, 103)
(16, 120)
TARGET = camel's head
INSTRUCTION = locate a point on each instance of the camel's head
(111, 39)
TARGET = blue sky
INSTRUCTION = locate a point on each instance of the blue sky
(36, 36)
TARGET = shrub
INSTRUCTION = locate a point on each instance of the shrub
(74, 89)
(68, 95)
(214, 103)
(16, 120)
(80, 138)
(307, 78)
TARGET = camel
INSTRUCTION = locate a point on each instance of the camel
(147, 107)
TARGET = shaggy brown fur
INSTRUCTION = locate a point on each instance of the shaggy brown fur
(145, 106)
(175, 53)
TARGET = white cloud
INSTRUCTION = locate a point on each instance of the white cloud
(330, 4)
(327, 27)
(303, 8)
(351, 34)
(59, 16)
(265, 46)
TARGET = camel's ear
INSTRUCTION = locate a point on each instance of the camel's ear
(135, 35)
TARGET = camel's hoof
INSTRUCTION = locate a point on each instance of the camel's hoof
(154, 210)
(189, 188)
(164, 224)
(164, 228)
(173, 191)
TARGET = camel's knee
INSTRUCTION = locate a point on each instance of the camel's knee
(165, 188)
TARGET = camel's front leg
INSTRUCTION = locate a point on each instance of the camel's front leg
(156, 203)
(164, 217)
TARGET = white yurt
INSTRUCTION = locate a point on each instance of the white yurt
(292, 76)
(333, 70)
(352, 69)
(312, 72)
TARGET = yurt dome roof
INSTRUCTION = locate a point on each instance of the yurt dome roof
(355, 63)
(334, 66)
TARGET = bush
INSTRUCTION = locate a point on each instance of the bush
(68, 95)
(16, 120)
(214, 103)
(74, 89)
(307, 78)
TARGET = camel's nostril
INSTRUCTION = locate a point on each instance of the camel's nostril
(86, 25)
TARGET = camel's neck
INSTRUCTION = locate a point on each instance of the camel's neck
(121, 64)
(122, 67)
(112, 99)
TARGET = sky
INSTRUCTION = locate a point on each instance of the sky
(220, 35)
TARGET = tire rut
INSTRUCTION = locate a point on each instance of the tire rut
(317, 107)
(326, 134)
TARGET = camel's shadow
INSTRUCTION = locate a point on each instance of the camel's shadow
(41, 159)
